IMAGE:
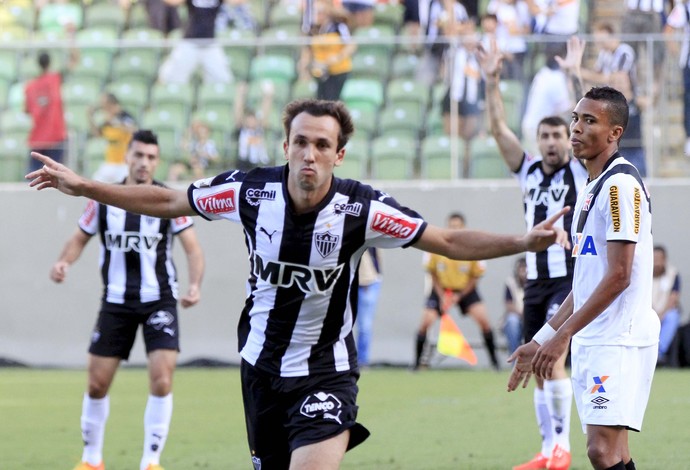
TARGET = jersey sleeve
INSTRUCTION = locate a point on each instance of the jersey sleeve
(621, 207)
(88, 221)
(180, 223)
(217, 197)
(390, 225)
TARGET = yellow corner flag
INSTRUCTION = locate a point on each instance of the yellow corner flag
(451, 341)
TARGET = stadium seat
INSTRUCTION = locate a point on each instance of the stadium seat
(393, 157)
(512, 92)
(365, 119)
(404, 65)
(357, 91)
(273, 67)
(132, 94)
(94, 66)
(169, 126)
(14, 33)
(54, 16)
(400, 119)
(13, 157)
(93, 154)
(16, 15)
(434, 122)
(136, 65)
(105, 15)
(304, 89)
(371, 65)
(216, 94)
(15, 120)
(97, 40)
(140, 41)
(436, 156)
(15, 96)
(217, 119)
(285, 14)
(77, 118)
(75, 92)
(137, 16)
(173, 96)
(486, 160)
(4, 89)
(255, 93)
(9, 65)
(379, 39)
(388, 14)
(356, 160)
(407, 91)
(281, 40)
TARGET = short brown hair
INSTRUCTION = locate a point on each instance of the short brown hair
(335, 109)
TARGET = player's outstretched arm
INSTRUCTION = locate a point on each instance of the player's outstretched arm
(491, 61)
(467, 244)
(195, 267)
(141, 199)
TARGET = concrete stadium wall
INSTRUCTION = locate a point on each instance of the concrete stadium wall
(45, 324)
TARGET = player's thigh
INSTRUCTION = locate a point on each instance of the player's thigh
(324, 455)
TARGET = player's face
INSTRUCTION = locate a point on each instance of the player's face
(659, 263)
(591, 132)
(142, 160)
(554, 145)
(312, 152)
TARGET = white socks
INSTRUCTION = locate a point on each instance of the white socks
(558, 395)
(156, 425)
(94, 414)
(543, 421)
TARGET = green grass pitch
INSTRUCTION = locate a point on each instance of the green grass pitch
(437, 419)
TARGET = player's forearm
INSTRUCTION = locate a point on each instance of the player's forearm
(141, 199)
(508, 143)
(196, 266)
(478, 245)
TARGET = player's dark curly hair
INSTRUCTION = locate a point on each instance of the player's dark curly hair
(145, 136)
(616, 104)
(335, 109)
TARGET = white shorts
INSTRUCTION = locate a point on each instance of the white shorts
(611, 384)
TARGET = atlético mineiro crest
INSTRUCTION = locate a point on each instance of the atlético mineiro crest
(325, 243)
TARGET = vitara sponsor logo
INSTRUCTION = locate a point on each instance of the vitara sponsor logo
(615, 209)
(308, 280)
(181, 220)
(584, 246)
(637, 199)
(545, 195)
(255, 196)
(354, 208)
(131, 241)
(393, 226)
(218, 203)
(90, 212)
(321, 403)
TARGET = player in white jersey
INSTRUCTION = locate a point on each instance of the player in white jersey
(608, 315)
(305, 231)
(549, 182)
(139, 288)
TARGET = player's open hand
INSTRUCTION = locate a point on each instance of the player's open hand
(522, 370)
(573, 58)
(545, 234)
(490, 59)
(54, 175)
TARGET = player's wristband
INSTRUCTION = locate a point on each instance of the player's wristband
(544, 334)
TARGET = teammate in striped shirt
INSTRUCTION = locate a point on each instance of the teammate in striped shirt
(608, 314)
(305, 231)
(139, 288)
(548, 183)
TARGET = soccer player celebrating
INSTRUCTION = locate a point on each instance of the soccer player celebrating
(305, 231)
(608, 314)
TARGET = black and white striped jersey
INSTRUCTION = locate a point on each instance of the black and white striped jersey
(136, 253)
(302, 286)
(544, 195)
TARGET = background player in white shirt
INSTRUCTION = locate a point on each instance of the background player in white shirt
(608, 315)
(305, 231)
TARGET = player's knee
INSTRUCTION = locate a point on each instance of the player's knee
(97, 388)
(161, 385)
(598, 454)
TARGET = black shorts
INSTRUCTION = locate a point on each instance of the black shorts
(465, 108)
(466, 301)
(542, 299)
(116, 328)
(285, 413)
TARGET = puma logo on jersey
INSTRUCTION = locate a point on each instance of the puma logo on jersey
(269, 235)
(131, 241)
